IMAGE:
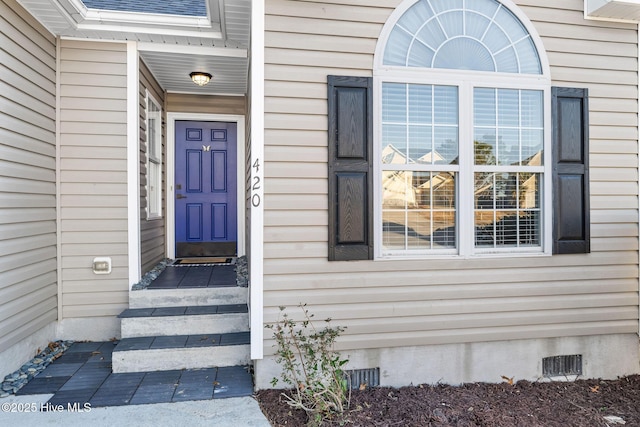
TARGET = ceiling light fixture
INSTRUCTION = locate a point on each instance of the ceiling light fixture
(200, 78)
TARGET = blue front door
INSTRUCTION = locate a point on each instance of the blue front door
(205, 189)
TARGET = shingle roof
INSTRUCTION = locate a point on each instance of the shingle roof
(171, 7)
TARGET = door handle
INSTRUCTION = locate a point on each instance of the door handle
(180, 196)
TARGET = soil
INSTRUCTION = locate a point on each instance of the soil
(579, 403)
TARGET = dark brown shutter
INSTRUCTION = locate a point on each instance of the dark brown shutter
(350, 168)
(570, 111)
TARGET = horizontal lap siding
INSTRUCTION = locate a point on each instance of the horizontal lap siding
(152, 232)
(28, 280)
(405, 302)
(199, 104)
(93, 177)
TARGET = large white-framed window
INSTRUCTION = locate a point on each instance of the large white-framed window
(462, 126)
(154, 158)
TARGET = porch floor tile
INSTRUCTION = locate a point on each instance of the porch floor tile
(43, 385)
(201, 310)
(233, 308)
(236, 338)
(233, 381)
(84, 376)
(195, 310)
(205, 340)
(194, 276)
(184, 341)
(171, 341)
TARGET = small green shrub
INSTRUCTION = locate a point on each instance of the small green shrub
(311, 366)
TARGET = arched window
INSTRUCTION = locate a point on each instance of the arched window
(480, 35)
(462, 159)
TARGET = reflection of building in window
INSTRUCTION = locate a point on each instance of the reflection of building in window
(397, 190)
(437, 190)
(507, 209)
(396, 187)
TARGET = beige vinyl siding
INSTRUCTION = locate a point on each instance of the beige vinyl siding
(437, 301)
(28, 280)
(152, 231)
(205, 104)
(93, 177)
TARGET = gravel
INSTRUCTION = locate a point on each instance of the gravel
(18, 379)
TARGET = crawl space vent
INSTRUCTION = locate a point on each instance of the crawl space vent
(557, 366)
(368, 377)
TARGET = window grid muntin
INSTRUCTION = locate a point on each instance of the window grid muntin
(502, 19)
(500, 118)
(466, 82)
(405, 123)
(396, 173)
(520, 128)
(521, 213)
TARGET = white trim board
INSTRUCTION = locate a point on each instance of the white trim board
(133, 163)
(193, 50)
(256, 213)
(170, 174)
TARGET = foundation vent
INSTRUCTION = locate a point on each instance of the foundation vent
(368, 377)
(557, 366)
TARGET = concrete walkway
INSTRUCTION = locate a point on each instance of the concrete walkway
(238, 411)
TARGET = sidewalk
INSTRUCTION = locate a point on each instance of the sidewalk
(238, 411)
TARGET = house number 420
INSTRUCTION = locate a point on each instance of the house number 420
(255, 187)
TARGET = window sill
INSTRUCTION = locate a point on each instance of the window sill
(494, 255)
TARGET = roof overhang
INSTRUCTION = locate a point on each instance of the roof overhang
(618, 10)
(172, 46)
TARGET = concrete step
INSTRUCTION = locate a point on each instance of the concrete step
(147, 298)
(164, 353)
(168, 321)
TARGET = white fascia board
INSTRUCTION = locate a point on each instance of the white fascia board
(613, 10)
(216, 35)
(75, 8)
(138, 18)
(193, 50)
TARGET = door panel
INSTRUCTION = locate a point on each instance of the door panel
(194, 222)
(219, 221)
(206, 205)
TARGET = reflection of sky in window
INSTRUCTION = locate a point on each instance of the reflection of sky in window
(169, 7)
(508, 127)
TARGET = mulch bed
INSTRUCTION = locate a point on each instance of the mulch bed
(580, 403)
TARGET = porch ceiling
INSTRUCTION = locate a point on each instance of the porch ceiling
(626, 10)
(172, 46)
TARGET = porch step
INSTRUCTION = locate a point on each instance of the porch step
(201, 319)
(188, 318)
(163, 353)
(188, 297)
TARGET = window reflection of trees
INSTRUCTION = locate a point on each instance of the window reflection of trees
(507, 209)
